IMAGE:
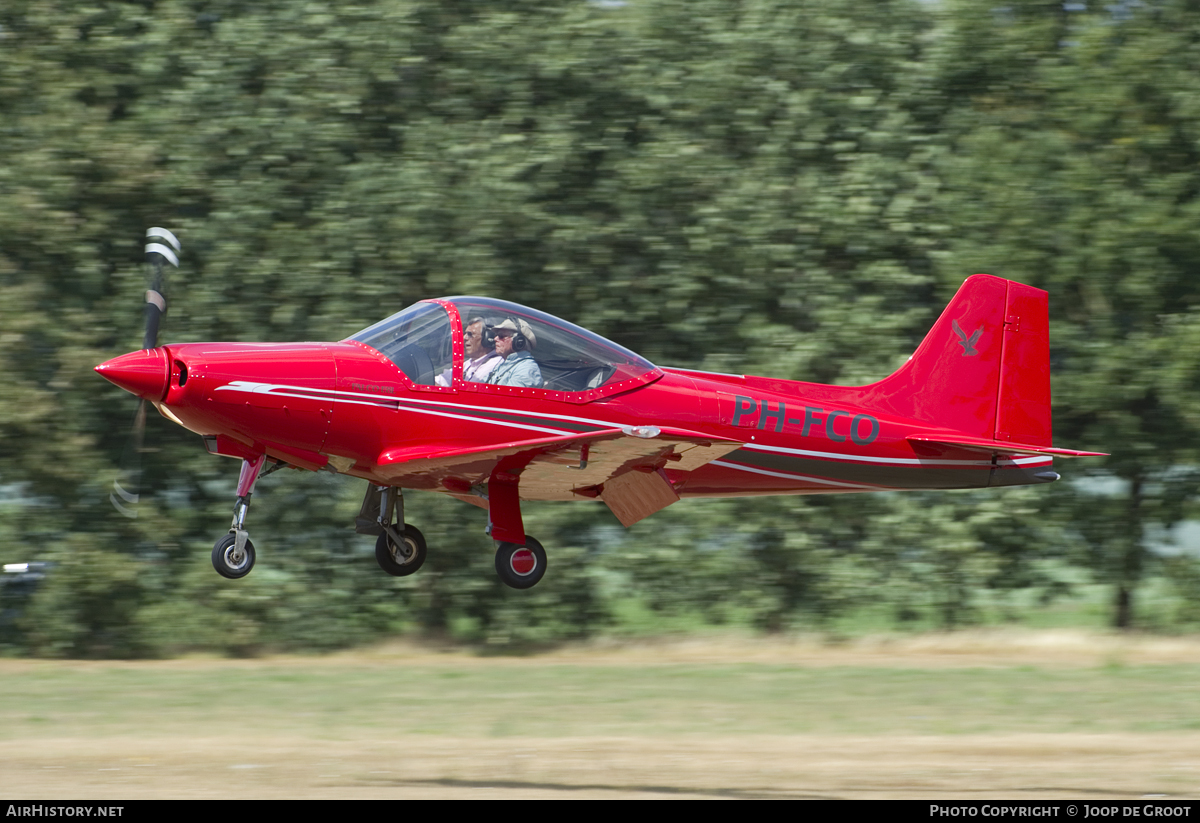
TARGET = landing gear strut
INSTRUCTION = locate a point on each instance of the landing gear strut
(233, 555)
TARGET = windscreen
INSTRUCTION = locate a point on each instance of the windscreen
(416, 339)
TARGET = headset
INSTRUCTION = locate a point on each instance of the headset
(519, 341)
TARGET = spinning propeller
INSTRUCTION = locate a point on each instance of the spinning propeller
(143, 372)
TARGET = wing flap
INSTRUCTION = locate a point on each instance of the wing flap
(637, 494)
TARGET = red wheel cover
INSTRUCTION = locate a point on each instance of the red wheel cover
(522, 562)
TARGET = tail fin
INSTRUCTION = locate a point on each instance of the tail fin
(983, 369)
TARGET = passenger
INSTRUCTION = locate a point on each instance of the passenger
(514, 341)
(480, 352)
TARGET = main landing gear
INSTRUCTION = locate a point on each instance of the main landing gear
(520, 560)
(233, 555)
(402, 557)
(399, 550)
(521, 567)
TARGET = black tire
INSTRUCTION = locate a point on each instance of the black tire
(512, 563)
(402, 560)
(224, 562)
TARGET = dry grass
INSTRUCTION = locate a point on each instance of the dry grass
(732, 718)
(984, 647)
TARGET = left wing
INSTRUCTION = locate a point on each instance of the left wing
(624, 466)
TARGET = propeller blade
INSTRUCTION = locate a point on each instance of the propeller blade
(127, 487)
(156, 303)
(164, 234)
(161, 247)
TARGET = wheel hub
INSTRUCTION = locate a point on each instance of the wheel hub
(523, 562)
(403, 552)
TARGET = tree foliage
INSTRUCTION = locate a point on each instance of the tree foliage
(788, 188)
(1076, 170)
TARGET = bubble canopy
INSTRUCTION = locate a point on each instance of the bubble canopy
(425, 341)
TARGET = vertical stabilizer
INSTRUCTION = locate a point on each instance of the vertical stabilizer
(983, 369)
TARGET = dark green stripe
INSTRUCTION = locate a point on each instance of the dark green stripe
(900, 477)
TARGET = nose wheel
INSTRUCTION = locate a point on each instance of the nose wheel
(521, 567)
(230, 560)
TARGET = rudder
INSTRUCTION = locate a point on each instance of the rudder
(1023, 399)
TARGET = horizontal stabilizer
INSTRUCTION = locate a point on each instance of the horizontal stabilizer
(998, 446)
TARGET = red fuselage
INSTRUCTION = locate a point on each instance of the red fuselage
(343, 405)
(494, 403)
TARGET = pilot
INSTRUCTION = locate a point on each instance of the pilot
(514, 341)
(480, 351)
(481, 355)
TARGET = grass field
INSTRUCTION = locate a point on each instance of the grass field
(1029, 715)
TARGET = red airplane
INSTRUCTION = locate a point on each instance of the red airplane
(570, 415)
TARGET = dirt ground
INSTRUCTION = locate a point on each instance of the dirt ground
(1088, 767)
(1060, 766)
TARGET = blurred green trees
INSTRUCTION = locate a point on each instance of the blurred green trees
(1076, 169)
(789, 188)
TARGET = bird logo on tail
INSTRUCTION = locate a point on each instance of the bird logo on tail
(968, 343)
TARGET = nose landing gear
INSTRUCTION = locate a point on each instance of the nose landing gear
(233, 554)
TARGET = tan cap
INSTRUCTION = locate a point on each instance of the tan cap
(519, 326)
